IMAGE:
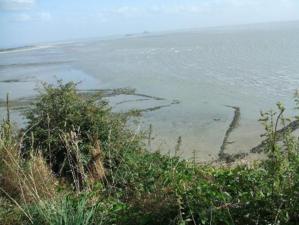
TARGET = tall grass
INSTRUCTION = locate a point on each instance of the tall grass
(27, 181)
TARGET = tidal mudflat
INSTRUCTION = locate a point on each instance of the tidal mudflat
(182, 82)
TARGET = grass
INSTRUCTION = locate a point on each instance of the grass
(78, 163)
(66, 210)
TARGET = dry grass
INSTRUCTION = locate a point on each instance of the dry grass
(94, 170)
(24, 182)
(41, 183)
(11, 170)
(95, 166)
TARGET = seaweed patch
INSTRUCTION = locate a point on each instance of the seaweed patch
(233, 125)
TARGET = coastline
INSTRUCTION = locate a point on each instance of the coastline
(24, 49)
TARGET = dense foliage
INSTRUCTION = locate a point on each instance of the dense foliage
(137, 187)
(63, 122)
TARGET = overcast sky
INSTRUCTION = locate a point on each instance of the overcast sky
(33, 21)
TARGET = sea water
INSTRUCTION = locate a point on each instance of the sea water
(205, 71)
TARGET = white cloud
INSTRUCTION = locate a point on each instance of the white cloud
(229, 5)
(16, 4)
(187, 8)
(22, 17)
(199, 13)
(37, 17)
(44, 16)
(123, 11)
(127, 11)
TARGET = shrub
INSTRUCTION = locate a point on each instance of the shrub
(60, 114)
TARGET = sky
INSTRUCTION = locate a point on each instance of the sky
(24, 22)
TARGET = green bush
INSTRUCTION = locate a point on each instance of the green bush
(61, 118)
(167, 190)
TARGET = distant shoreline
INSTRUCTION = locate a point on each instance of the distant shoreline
(23, 48)
(35, 45)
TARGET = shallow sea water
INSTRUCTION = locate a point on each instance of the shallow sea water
(251, 67)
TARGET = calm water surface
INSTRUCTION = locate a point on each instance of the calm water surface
(251, 67)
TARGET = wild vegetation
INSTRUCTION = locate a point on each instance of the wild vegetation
(77, 162)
